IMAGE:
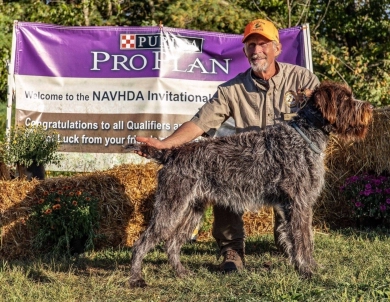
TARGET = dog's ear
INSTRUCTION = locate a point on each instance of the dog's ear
(348, 117)
(325, 101)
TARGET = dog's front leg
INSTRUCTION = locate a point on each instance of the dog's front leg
(302, 240)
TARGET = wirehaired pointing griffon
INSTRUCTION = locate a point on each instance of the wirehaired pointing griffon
(281, 166)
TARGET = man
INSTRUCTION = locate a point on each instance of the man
(254, 99)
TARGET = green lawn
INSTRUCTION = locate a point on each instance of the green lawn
(355, 266)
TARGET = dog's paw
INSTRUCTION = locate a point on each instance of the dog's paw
(267, 266)
(185, 273)
(306, 272)
(139, 283)
(306, 275)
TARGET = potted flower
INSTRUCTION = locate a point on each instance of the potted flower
(370, 198)
(30, 148)
(64, 220)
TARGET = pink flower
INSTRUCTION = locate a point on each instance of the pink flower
(353, 179)
(365, 192)
(382, 207)
(388, 200)
(358, 204)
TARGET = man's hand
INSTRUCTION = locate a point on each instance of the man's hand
(184, 134)
(150, 141)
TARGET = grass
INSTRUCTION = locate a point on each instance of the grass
(355, 267)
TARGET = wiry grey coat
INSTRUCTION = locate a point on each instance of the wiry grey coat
(276, 167)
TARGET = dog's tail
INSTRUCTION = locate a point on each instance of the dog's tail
(160, 155)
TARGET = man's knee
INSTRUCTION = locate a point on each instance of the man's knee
(228, 228)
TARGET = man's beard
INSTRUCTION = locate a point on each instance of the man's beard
(259, 67)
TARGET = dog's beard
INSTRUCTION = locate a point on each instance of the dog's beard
(259, 66)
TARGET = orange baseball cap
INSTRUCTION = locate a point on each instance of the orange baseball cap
(262, 27)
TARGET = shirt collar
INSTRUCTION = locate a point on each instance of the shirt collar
(265, 84)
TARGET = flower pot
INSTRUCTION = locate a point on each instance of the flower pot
(37, 171)
(4, 172)
(78, 245)
(33, 171)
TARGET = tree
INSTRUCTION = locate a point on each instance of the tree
(216, 15)
(349, 38)
(350, 44)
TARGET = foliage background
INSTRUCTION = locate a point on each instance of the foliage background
(349, 38)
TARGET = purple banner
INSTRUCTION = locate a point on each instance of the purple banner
(138, 52)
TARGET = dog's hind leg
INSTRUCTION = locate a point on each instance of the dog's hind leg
(180, 236)
(141, 247)
(159, 229)
(169, 212)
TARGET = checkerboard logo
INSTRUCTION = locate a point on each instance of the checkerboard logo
(127, 41)
(157, 41)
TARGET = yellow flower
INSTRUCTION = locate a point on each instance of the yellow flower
(40, 201)
(57, 206)
(74, 202)
(48, 211)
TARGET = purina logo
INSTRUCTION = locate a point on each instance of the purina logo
(153, 41)
(127, 41)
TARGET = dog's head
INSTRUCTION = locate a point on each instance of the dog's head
(348, 117)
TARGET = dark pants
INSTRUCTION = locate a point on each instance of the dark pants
(229, 232)
(228, 229)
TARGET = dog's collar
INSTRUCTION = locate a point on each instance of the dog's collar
(312, 145)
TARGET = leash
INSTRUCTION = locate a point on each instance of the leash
(312, 145)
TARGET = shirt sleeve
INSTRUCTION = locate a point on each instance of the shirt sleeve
(213, 113)
(311, 80)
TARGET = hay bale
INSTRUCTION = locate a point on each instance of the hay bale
(14, 210)
(344, 160)
(126, 195)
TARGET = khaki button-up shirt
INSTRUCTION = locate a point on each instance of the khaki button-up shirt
(252, 105)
